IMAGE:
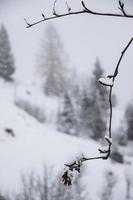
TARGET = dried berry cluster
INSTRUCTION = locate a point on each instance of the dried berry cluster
(68, 174)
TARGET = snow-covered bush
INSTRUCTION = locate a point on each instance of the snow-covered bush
(47, 186)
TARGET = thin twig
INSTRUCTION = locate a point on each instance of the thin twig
(54, 9)
(121, 8)
(85, 10)
(120, 59)
(68, 7)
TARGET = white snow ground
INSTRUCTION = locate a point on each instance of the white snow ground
(35, 143)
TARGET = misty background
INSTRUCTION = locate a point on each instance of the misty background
(84, 37)
(53, 109)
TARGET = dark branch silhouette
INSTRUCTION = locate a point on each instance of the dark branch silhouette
(85, 10)
(104, 153)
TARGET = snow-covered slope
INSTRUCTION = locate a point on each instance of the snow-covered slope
(33, 94)
(35, 143)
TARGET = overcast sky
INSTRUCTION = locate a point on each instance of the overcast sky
(84, 37)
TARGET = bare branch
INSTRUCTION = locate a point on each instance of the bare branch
(108, 14)
(76, 165)
(120, 59)
(85, 10)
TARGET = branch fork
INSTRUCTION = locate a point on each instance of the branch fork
(84, 10)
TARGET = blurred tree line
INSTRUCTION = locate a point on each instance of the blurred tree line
(83, 108)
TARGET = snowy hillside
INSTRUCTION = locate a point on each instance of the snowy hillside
(32, 144)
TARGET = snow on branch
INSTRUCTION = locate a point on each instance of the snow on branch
(106, 81)
(84, 10)
(104, 152)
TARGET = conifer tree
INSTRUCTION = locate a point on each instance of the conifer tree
(98, 91)
(7, 66)
(84, 114)
(51, 63)
(100, 104)
(94, 106)
(66, 116)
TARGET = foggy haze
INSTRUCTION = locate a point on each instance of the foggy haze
(71, 123)
(85, 38)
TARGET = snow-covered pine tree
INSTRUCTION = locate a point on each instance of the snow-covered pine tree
(100, 104)
(85, 118)
(66, 120)
(74, 88)
(7, 66)
(98, 91)
(51, 63)
(47, 186)
(94, 106)
(129, 121)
